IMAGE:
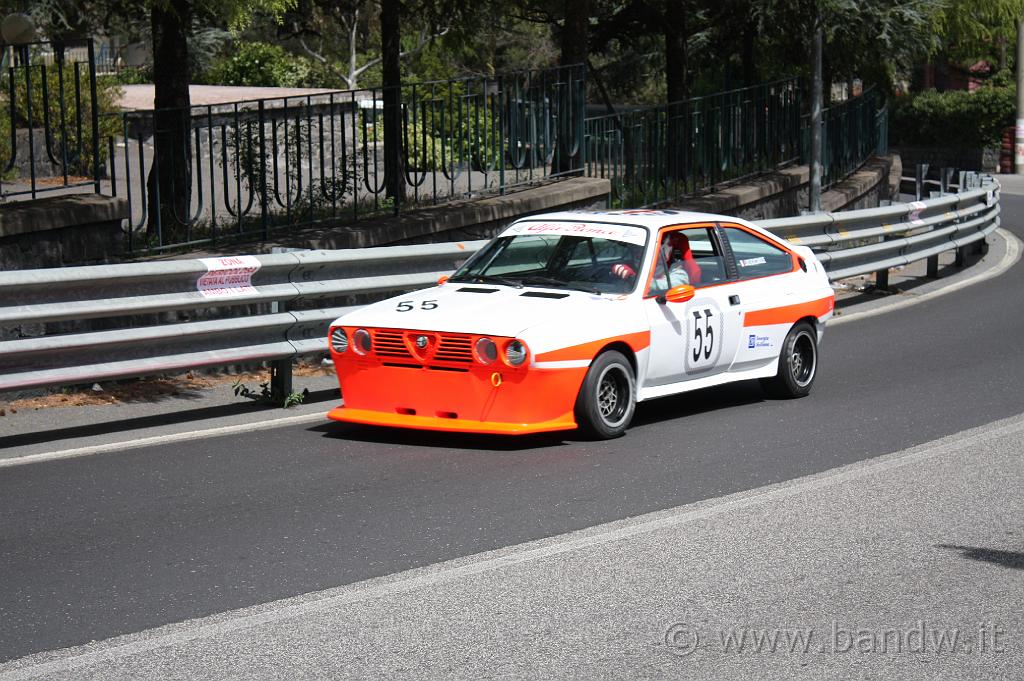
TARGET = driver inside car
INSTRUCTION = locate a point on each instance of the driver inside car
(676, 264)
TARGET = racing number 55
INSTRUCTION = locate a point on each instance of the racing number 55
(703, 335)
(406, 306)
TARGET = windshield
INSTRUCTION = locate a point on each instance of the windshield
(559, 260)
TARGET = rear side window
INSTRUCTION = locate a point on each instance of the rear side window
(756, 257)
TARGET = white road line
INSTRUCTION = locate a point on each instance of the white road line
(71, 659)
(163, 439)
(1009, 259)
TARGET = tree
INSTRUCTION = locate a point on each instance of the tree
(977, 30)
(171, 23)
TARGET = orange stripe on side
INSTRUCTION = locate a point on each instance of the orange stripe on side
(636, 341)
(790, 313)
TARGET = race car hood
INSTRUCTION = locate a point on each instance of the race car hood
(483, 309)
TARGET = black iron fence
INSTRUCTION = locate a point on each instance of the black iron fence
(852, 131)
(49, 130)
(252, 169)
(661, 153)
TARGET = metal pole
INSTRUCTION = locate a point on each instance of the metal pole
(816, 95)
(1018, 146)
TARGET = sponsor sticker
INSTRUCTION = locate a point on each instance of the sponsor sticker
(229, 276)
(750, 262)
(755, 341)
(631, 235)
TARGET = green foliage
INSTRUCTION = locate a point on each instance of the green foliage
(975, 30)
(131, 75)
(265, 394)
(260, 65)
(953, 118)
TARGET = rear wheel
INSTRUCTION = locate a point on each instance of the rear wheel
(798, 364)
(607, 399)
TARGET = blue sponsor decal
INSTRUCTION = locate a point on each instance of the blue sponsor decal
(758, 342)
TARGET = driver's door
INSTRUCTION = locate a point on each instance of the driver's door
(696, 338)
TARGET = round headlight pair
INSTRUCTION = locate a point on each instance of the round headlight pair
(487, 352)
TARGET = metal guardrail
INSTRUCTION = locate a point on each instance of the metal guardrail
(278, 311)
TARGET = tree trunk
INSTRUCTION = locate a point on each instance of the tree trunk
(391, 49)
(749, 63)
(675, 35)
(574, 46)
(170, 179)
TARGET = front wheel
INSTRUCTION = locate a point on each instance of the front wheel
(798, 364)
(607, 399)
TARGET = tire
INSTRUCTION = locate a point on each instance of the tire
(798, 364)
(607, 399)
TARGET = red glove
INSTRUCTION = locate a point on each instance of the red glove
(623, 271)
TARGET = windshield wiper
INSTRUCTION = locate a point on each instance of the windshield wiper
(559, 283)
(488, 279)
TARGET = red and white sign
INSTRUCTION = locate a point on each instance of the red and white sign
(916, 208)
(632, 235)
(229, 276)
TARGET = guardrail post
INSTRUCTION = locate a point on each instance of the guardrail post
(281, 385)
(922, 171)
(882, 280)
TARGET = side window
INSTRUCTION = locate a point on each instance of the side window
(756, 257)
(686, 256)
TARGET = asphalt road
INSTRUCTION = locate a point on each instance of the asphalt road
(116, 543)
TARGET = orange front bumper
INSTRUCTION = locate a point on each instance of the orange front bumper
(475, 400)
(379, 418)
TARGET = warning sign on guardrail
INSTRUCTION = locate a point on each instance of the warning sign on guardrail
(230, 276)
(916, 208)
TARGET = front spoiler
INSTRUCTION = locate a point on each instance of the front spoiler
(380, 418)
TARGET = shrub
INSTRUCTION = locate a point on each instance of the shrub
(261, 65)
(954, 118)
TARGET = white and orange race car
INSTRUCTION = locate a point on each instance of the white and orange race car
(567, 320)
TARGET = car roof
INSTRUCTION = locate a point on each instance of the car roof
(649, 218)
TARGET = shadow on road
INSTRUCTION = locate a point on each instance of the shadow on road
(1010, 559)
(196, 416)
(647, 413)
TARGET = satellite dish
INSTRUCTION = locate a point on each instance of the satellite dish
(17, 29)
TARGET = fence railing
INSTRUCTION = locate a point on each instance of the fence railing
(661, 153)
(49, 131)
(250, 169)
(45, 309)
(852, 131)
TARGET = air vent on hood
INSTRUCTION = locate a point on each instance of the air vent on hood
(473, 289)
(544, 294)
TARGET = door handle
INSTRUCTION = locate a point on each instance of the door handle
(734, 299)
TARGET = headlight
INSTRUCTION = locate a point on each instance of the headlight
(361, 341)
(515, 353)
(339, 341)
(486, 351)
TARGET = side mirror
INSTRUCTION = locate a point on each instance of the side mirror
(680, 294)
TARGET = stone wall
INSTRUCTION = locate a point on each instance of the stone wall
(80, 229)
(785, 193)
